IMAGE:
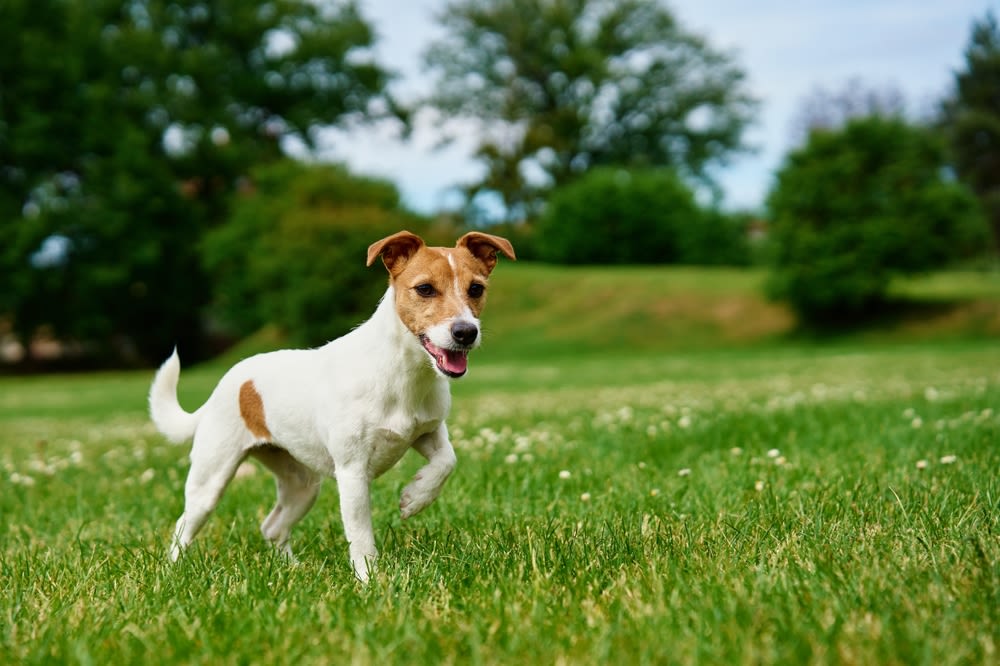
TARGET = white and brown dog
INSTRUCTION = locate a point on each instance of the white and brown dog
(349, 409)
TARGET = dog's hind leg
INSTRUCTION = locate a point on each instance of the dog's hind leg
(298, 487)
(430, 478)
(213, 463)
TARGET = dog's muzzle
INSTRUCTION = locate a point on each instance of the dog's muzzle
(452, 358)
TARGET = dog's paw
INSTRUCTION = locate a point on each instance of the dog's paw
(415, 498)
(364, 565)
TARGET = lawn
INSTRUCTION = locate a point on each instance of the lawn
(811, 504)
(654, 466)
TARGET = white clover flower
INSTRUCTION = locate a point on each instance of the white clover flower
(949, 459)
(22, 480)
(654, 492)
(684, 472)
(736, 451)
(585, 497)
(922, 464)
(759, 486)
(908, 413)
(642, 465)
(780, 460)
(684, 421)
(931, 394)
(511, 458)
(147, 476)
(917, 423)
(773, 453)
(564, 474)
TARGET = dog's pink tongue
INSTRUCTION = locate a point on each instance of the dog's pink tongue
(455, 361)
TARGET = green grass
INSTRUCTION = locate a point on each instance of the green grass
(654, 467)
(819, 504)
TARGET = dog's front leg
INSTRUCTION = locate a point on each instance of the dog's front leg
(356, 512)
(429, 480)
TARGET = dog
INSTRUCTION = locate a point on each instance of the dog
(349, 409)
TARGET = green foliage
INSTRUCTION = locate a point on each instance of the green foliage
(120, 152)
(615, 216)
(972, 119)
(293, 252)
(854, 207)
(566, 85)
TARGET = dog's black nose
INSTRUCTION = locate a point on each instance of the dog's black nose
(465, 333)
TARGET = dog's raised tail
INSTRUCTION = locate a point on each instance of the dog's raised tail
(169, 417)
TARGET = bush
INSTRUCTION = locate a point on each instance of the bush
(855, 207)
(616, 216)
(293, 251)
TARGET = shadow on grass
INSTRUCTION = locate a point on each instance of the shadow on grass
(906, 319)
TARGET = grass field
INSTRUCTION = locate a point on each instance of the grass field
(834, 503)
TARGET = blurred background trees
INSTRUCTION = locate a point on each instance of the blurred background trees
(563, 86)
(124, 129)
(971, 119)
(147, 197)
(640, 216)
(292, 252)
(856, 206)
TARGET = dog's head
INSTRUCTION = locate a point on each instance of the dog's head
(440, 291)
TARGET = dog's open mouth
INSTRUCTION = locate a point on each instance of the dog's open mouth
(452, 362)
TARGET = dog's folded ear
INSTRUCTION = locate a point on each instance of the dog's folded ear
(396, 250)
(485, 247)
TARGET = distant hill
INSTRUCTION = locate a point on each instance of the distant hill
(538, 310)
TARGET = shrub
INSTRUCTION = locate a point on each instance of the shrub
(856, 206)
(293, 251)
(614, 216)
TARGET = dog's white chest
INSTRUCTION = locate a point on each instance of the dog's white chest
(391, 441)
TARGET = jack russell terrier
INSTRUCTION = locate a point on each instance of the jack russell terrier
(349, 409)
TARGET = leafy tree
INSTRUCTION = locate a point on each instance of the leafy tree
(124, 129)
(825, 109)
(293, 251)
(854, 207)
(561, 86)
(648, 216)
(971, 118)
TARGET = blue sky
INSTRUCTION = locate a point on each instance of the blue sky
(788, 48)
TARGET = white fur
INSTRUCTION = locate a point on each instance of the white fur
(349, 409)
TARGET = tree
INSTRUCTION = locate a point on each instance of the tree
(824, 109)
(560, 86)
(644, 216)
(971, 119)
(293, 251)
(856, 206)
(117, 155)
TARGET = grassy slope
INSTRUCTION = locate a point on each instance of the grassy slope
(852, 543)
(548, 309)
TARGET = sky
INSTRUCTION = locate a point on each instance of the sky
(788, 48)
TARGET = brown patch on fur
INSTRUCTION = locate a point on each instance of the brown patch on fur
(252, 411)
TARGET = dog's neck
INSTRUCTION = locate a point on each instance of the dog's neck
(391, 346)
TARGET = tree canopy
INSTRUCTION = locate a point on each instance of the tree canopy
(560, 86)
(972, 118)
(858, 205)
(124, 128)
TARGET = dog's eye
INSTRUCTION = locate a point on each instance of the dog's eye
(476, 290)
(425, 290)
